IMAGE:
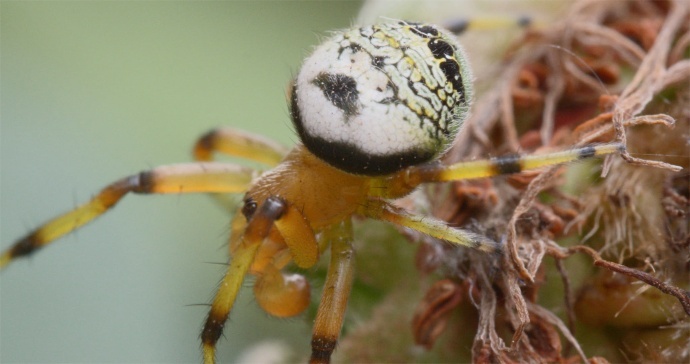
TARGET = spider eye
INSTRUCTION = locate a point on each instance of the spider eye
(377, 99)
(249, 208)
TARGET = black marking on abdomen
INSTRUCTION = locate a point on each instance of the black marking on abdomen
(378, 62)
(440, 49)
(348, 157)
(451, 70)
(340, 90)
(425, 31)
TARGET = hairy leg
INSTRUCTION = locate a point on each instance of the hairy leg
(172, 179)
(403, 182)
(256, 231)
(510, 164)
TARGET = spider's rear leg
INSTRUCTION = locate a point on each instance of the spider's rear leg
(238, 143)
(172, 179)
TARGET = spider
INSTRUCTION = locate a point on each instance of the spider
(375, 108)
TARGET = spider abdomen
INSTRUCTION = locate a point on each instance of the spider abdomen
(377, 99)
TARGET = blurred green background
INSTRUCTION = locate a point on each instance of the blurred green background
(94, 91)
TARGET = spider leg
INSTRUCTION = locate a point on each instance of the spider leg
(285, 294)
(257, 229)
(292, 230)
(239, 143)
(414, 176)
(459, 26)
(207, 177)
(299, 237)
(278, 293)
(382, 210)
(336, 291)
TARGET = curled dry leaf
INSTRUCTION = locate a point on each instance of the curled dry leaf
(433, 311)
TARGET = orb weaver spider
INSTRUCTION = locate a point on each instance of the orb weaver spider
(375, 107)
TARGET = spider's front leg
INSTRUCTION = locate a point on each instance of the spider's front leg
(172, 179)
(503, 165)
(265, 239)
(257, 229)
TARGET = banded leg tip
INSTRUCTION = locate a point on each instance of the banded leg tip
(321, 349)
(202, 148)
(22, 248)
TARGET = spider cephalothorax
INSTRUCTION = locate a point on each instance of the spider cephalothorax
(377, 99)
(374, 107)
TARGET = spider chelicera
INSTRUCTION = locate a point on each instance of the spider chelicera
(375, 107)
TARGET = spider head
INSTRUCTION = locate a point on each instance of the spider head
(378, 99)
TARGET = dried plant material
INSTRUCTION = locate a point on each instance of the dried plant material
(567, 294)
(432, 313)
(544, 339)
(606, 71)
(570, 65)
(664, 345)
(472, 199)
(597, 360)
(550, 322)
(649, 80)
(622, 302)
(682, 295)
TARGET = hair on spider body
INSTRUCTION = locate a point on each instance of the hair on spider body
(374, 107)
